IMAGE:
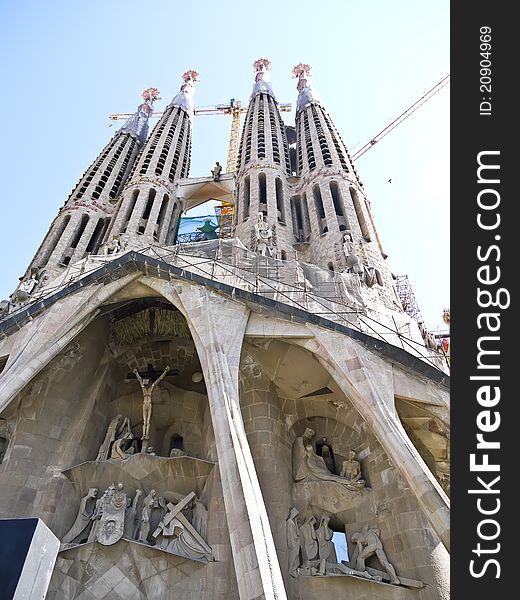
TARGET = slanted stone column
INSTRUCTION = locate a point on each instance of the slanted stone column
(217, 325)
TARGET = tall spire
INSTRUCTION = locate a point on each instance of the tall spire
(306, 93)
(137, 124)
(184, 99)
(262, 83)
(148, 211)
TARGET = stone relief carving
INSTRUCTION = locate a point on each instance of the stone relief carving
(308, 466)
(177, 535)
(369, 543)
(81, 527)
(351, 468)
(118, 428)
(312, 551)
(112, 519)
(180, 526)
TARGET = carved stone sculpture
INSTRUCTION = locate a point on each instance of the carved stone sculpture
(293, 542)
(308, 541)
(308, 466)
(351, 468)
(80, 529)
(122, 447)
(200, 518)
(216, 171)
(118, 427)
(264, 237)
(368, 543)
(149, 503)
(326, 548)
(112, 522)
(147, 389)
(177, 535)
(132, 517)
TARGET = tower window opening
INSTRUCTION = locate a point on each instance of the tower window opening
(320, 210)
(283, 255)
(131, 206)
(365, 231)
(149, 204)
(79, 231)
(247, 197)
(93, 243)
(57, 237)
(262, 193)
(160, 216)
(279, 200)
(330, 266)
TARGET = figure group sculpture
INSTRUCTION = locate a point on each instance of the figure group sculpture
(178, 528)
(312, 550)
(309, 466)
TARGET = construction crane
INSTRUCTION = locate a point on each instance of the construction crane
(235, 109)
(404, 115)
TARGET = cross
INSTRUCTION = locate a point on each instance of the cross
(151, 374)
(175, 512)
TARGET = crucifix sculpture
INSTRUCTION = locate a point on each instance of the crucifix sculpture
(147, 385)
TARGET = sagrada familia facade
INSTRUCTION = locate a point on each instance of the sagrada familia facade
(249, 417)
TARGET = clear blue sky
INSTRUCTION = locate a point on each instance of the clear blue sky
(67, 65)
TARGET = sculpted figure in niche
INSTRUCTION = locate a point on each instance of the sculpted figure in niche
(327, 457)
(78, 533)
(308, 466)
(148, 388)
(368, 543)
(293, 542)
(351, 468)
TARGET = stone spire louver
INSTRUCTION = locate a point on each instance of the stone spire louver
(334, 212)
(148, 211)
(263, 167)
(79, 227)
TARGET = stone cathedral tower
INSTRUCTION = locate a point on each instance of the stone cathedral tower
(243, 418)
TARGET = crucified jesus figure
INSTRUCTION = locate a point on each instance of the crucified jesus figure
(148, 388)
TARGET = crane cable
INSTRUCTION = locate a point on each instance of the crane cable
(410, 110)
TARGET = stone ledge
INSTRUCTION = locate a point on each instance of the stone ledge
(168, 476)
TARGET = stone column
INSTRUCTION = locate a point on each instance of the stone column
(217, 325)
